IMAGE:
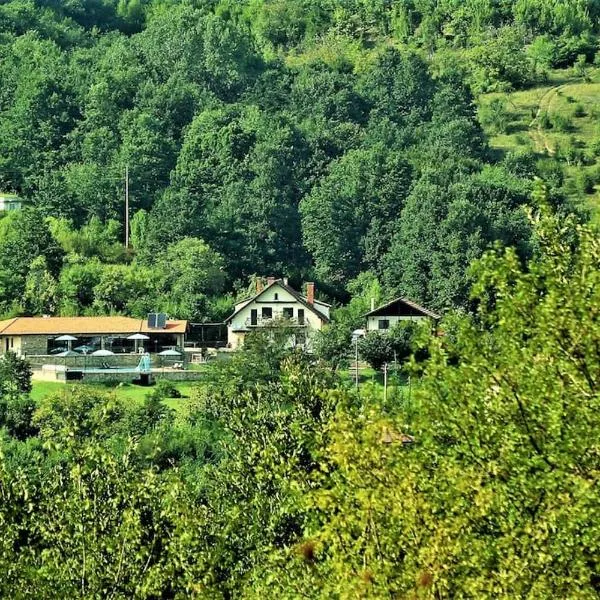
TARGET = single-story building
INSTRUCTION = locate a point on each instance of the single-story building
(275, 304)
(400, 309)
(38, 335)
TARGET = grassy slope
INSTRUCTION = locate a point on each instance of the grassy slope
(560, 96)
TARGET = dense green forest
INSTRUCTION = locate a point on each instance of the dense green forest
(316, 139)
(378, 148)
(276, 479)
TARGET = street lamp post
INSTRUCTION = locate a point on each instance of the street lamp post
(356, 361)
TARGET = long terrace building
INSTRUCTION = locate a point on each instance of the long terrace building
(38, 336)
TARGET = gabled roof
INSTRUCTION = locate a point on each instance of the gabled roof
(84, 326)
(301, 299)
(381, 311)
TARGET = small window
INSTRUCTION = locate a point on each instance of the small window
(12, 342)
(276, 296)
(267, 312)
(301, 316)
(384, 324)
(288, 312)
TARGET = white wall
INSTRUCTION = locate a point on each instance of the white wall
(14, 344)
(373, 322)
(269, 300)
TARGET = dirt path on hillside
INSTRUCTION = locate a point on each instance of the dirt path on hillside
(537, 134)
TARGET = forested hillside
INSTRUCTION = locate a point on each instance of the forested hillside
(446, 151)
(316, 139)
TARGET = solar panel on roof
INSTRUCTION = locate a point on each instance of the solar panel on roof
(161, 320)
(152, 320)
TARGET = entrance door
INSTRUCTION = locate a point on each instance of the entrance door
(254, 317)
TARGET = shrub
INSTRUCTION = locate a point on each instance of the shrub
(166, 389)
(495, 115)
(561, 123)
(579, 111)
(544, 121)
(376, 349)
(585, 182)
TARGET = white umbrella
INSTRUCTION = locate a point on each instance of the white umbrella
(169, 353)
(103, 353)
(66, 338)
(67, 353)
(85, 349)
(138, 337)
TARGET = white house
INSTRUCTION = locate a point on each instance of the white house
(400, 309)
(278, 301)
(9, 202)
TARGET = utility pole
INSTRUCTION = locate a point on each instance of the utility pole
(126, 206)
(385, 381)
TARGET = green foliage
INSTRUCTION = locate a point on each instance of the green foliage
(501, 477)
(332, 344)
(15, 374)
(376, 348)
(495, 115)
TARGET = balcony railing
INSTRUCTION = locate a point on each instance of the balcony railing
(277, 320)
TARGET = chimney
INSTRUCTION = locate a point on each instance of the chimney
(285, 281)
(310, 293)
(259, 285)
(270, 280)
(372, 304)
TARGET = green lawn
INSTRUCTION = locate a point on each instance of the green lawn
(128, 392)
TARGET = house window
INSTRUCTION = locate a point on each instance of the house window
(301, 316)
(253, 317)
(384, 323)
(276, 296)
(267, 312)
(288, 313)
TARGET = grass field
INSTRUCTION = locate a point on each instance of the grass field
(129, 393)
(560, 119)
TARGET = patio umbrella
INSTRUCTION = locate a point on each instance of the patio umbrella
(66, 338)
(85, 349)
(66, 354)
(166, 353)
(169, 353)
(138, 337)
(103, 353)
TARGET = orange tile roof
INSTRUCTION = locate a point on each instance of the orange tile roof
(84, 326)
(171, 327)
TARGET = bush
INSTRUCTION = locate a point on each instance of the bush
(495, 115)
(561, 123)
(16, 415)
(585, 182)
(579, 111)
(544, 121)
(376, 349)
(15, 373)
(166, 389)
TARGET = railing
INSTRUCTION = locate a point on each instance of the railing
(277, 320)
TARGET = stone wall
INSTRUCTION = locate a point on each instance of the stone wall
(34, 344)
